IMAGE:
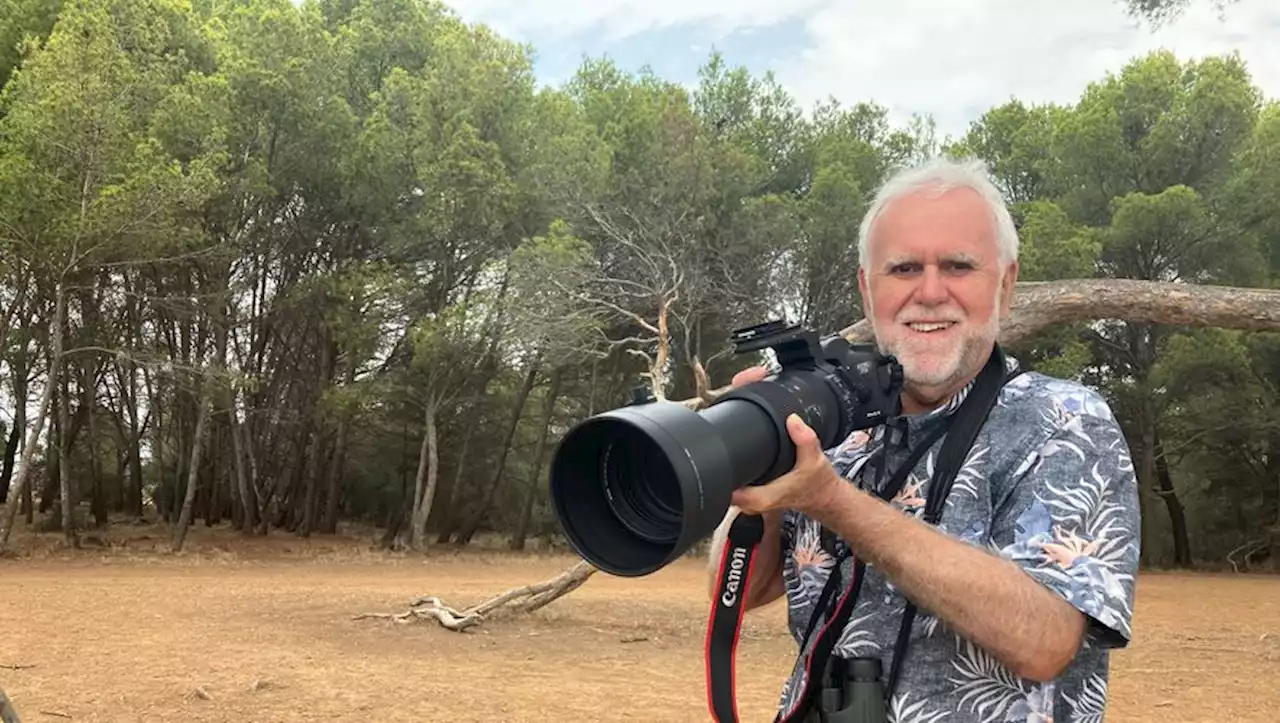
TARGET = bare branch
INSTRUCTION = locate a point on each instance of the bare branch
(624, 312)
(526, 598)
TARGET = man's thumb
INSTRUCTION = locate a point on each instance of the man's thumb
(805, 439)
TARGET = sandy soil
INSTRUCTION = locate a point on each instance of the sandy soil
(264, 630)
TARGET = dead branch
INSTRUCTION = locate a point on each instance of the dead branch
(1249, 549)
(524, 599)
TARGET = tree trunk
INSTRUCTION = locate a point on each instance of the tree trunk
(428, 473)
(333, 475)
(248, 497)
(193, 466)
(311, 471)
(11, 450)
(52, 492)
(18, 367)
(133, 492)
(450, 515)
(98, 492)
(1177, 515)
(213, 506)
(478, 519)
(28, 448)
(65, 486)
(531, 489)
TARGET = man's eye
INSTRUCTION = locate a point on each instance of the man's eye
(904, 268)
(952, 266)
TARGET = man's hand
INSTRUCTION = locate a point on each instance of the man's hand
(809, 487)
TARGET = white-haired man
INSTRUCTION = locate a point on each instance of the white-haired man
(1027, 579)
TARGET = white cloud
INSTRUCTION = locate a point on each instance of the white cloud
(950, 58)
(559, 20)
(953, 59)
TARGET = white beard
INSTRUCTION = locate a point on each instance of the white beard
(937, 364)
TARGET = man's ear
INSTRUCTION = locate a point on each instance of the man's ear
(864, 291)
(1006, 287)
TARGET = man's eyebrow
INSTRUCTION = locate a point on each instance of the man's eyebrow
(899, 259)
(955, 258)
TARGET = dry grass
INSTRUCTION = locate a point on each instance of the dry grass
(260, 631)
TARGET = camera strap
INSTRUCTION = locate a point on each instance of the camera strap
(725, 626)
(968, 420)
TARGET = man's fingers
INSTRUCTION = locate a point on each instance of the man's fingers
(805, 439)
(749, 375)
(754, 499)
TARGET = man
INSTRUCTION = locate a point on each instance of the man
(1028, 579)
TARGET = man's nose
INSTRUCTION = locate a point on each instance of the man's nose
(932, 290)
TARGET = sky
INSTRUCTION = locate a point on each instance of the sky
(952, 59)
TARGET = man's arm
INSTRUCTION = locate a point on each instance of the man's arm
(766, 583)
(1065, 533)
(984, 598)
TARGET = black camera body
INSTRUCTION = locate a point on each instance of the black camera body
(635, 487)
(834, 386)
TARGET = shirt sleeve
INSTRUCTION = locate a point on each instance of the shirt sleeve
(1071, 520)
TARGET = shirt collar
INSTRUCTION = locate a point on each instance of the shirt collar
(903, 428)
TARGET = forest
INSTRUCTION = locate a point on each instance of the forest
(285, 266)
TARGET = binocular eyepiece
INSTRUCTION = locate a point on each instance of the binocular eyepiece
(852, 692)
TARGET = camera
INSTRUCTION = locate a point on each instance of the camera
(634, 488)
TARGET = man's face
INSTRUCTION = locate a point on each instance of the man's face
(934, 290)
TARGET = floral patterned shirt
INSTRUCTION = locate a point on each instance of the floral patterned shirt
(1048, 484)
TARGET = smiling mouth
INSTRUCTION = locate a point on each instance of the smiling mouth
(927, 327)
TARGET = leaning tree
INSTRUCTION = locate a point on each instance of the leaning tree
(1036, 306)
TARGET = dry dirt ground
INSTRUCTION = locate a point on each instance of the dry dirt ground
(264, 629)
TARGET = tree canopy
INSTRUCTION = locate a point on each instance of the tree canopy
(290, 265)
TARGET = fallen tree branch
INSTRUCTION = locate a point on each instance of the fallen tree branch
(524, 599)
(1036, 305)
(1041, 304)
(1249, 549)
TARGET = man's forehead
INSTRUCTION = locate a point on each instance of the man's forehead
(956, 217)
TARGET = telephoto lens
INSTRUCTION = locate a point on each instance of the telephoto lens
(636, 487)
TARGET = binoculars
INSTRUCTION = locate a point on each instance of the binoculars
(852, 692)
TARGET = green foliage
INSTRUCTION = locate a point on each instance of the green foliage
(1052, 247)
(1017, 142)
(363, 207)
(1159, 12)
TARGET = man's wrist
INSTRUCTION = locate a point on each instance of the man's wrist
(841, 506)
